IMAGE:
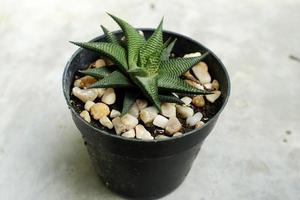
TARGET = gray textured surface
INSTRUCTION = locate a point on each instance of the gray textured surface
(247, 156)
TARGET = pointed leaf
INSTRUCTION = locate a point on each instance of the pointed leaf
(148, 85)
(111, 38)
(115, 52)
(167, 42)
(165, 55)
(134, 40)
(115, 80)
(178, 66)
(129, 99)
(170, 99)
(98, 72)
(176, 84)
(151, 51)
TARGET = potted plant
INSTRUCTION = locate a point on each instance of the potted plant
(144, 101)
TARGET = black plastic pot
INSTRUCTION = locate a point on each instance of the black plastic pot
(136, 168)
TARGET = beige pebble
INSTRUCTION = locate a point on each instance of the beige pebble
(215, 85)
(207, 86)
(99, 110)
(84, 81)
(184, 111)
(86, 116)
(142, 133)
(173, 126)
(161, 137)
(148, 114)
(201, 72)
(84, 95)
(168, 109)
(129, 134)
(109, 96)
(88, 105)
(213, 97)
(198, 101)
(114, 113)
(100, 92)
(189, 76)
(118, 125)
(99, 63)
(129, 121)
(199, 124)
(105, 121)
(177, 134)
(190, 55)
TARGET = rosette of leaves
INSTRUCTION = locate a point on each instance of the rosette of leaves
(142, 66)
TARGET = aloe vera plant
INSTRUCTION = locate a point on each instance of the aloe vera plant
(141, 66)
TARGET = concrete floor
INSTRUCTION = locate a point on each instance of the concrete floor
(253, 152)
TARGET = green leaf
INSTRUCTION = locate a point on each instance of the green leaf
(98, 72)
(114, 80)
(115, 52)
(134, 41)
(167, 42)
(151, 51)
(148, 85)
(178, 66)
(176, 84)
(165, 55)
(129, 99)
(109, 36)
(170, 99)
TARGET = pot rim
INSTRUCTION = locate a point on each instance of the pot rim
(115, 136)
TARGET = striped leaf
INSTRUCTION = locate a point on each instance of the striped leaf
(111, 38)
(98, 72)
(178, 66)
(115, 52)
(114, 80)
(165, 54)
(134, 41)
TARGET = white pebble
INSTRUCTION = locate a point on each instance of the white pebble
(208, 86)
(161, 137)
(195, 84)
(86, 116)
(186, 100)
(129, 121)
(109, 96)
(118, 125)
(88, 105)
(142, 133)
(190, 55)
(148, 114)
(201, 72)
(129, 134)
(191, 121)
(105, 121)
(114, 113)
(213, 97)
(84, 95)
(184, 111)
(168, 109)
(160, 121)
(173, 126)
(177, 134)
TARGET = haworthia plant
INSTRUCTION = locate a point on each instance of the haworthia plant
(142, 65)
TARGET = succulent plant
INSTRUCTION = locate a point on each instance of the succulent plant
(142, 66)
